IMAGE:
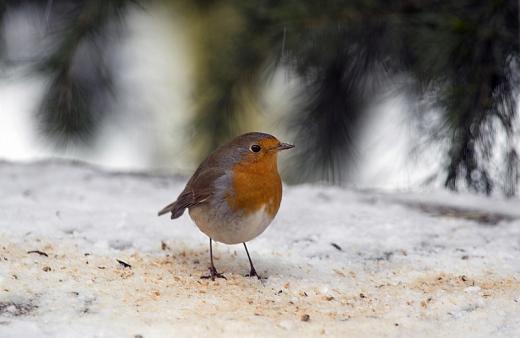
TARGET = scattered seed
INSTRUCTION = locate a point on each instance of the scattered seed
(124, 264)
(164, 246)
(46, 268)
(339, 273)
(41, 253)
(337, 247)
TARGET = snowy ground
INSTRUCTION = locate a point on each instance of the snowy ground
(338, 262)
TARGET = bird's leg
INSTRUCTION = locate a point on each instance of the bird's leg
(212, 270)
(252, 273)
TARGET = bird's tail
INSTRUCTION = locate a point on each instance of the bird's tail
(175, 208)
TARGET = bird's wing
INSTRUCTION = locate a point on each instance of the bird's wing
(198, 189)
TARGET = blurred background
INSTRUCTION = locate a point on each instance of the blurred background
(375, 94)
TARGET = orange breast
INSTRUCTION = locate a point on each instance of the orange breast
(256, 184)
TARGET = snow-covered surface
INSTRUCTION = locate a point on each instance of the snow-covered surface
(338, 262)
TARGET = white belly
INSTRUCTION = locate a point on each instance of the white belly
(220, 226)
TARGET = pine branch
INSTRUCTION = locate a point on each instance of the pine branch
(76, 100)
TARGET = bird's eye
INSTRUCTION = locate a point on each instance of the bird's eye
(255, 148)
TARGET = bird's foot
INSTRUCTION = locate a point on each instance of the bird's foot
(213, 273)
(253, 273)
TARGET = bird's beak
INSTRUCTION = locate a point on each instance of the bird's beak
(284, 146)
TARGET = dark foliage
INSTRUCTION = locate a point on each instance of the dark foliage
(343, 59)
(79, 79)
(461, 55)
(80, 85)
(466, 49)
(230, 64)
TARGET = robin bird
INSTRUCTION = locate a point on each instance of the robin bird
(235, 192)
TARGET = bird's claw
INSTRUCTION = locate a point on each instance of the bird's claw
(253, 273)
(213, 273)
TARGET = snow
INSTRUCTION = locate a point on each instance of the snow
(338, 262)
